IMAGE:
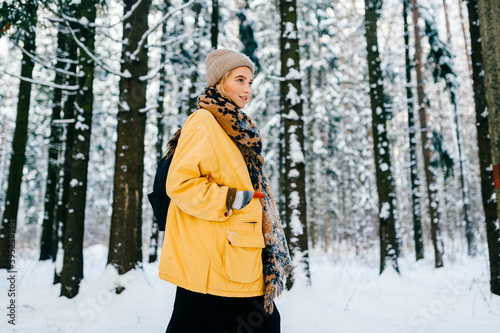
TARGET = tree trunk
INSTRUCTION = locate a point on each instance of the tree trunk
(215, 23)
(389, 246)
(72, 271)
(153, 247)
(46, 243)
(295, 171)
(467, 53)
(65, 168)
(125, 244)
(486, 50)
(469, 228)
(193, 95)
(427, 150)
(415, 195)
(9, 221)
(447, 21)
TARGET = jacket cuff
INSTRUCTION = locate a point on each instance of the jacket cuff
(231, 195)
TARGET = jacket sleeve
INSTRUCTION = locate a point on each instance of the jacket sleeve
(190, 181)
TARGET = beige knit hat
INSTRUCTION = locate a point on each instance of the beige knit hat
(221, 61)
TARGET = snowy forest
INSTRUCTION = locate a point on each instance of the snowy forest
(381, 127)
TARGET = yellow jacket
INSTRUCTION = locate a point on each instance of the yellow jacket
(207, 248)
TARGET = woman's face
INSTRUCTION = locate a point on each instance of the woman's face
(239, 86)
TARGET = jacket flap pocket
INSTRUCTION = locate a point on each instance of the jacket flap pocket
(245, 239)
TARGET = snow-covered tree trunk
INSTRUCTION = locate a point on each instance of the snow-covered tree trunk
(72, 271)
(489, 42)
(415, 195)
(65, 169)
(46, 243)
(125, 243)
(427, 150)
(447, 22)
(389, 247)
(8, 224)
(162, 76)
(441, 54)
(466, 44)
(295, 172)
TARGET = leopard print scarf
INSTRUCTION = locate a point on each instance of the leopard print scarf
(245, 134)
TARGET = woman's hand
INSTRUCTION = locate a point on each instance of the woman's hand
(243, 198)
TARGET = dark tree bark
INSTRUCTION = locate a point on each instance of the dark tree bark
(65, 168)
(72, 271)
(427, 150)
(195, 59)
(153, 247)
(485, 39)
(125, 244)
(292, 118)
(215, 23)
(415, 195)
(389, 246)
(46, 243)
(8, 224)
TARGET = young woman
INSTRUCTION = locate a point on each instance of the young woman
(224, 246)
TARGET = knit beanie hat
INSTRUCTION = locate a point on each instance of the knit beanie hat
(221, 61)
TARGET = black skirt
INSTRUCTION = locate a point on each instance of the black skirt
(203, 313)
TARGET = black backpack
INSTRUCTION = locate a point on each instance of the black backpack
(159, 199)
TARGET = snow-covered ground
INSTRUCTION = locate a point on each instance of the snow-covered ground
(346, 296)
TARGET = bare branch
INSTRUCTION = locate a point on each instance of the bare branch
(46, 65)
(96, 60)
(46, 84)
(140, 45)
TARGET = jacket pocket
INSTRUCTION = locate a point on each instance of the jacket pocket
(243, 256)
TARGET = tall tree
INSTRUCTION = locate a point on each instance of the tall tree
(24, 17)
(466, 44)
(415, 195)
(215, 23)
(195, 59)
(441, 56)
(125, 243)
(486, 50)
(389, 247)
(46, 243)
(153, 247)
(65, 169)
(72, 271)
(427, 150)
(295, 168)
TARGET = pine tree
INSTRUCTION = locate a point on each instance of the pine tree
(417, 221)
(46, 243)
(215, 24)
(125, 243)
(389, 247)
(24, 17)
(485, 51)
(72, 271)
(293, 125)
(427, 152)
(442, 58)
(153, 247)
(65, 169)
